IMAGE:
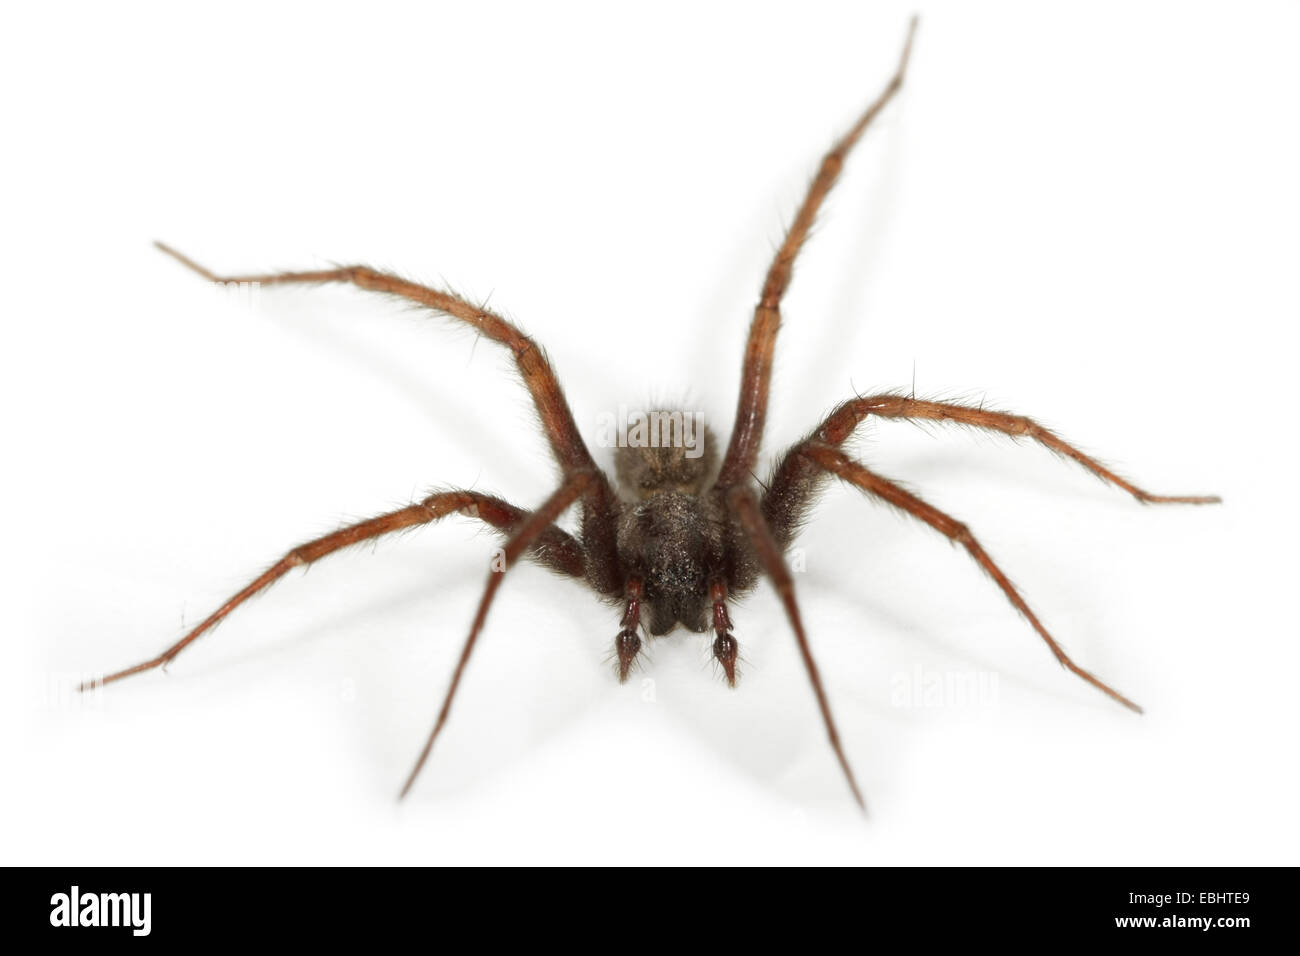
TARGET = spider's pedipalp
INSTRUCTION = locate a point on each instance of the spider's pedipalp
(627, 643)
(725, 647)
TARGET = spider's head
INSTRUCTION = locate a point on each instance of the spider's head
(665, 451)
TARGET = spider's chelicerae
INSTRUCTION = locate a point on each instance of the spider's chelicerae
(684, 528)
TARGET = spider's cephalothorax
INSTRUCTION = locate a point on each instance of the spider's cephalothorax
(677, 542)
(671, 534)
(686, 530)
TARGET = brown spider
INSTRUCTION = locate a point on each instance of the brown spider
(682, 533)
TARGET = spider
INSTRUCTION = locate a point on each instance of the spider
(681, 531)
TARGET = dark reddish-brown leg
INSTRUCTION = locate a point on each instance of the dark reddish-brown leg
(538, 376)
(532, 530)
(837, 463)
(794, 483)
(627, 645)
(841, 423)
(553, 548)
(725, 647)
(745, 505)
(756, 372)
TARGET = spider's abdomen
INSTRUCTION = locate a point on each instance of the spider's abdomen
(673, 542)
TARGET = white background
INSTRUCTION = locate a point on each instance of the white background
(1082, 212)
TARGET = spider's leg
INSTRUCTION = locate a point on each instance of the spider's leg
(523, 537)
(837, 463)
(554, 548)
(561, 430)
(552, 407)
(841, 423)
(756, 372)
(796, 479)
(745, 505)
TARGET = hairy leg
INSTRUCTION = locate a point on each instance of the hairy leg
(841, 423)
(837, 463)
(553, 548)
(756, 372)
(598, 521)
(796, 479)
(524, 537)
(746, 508)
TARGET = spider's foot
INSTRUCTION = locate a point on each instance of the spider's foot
(627, 645)
(1146, 498)
(726, 650)
(99, 680)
